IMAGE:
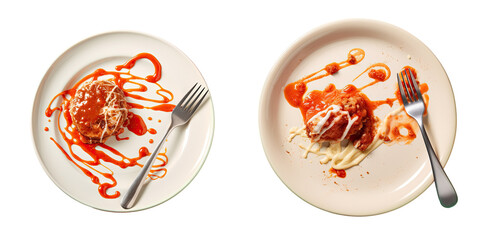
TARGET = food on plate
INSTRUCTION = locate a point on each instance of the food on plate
(341, 124)
(335, 115)
(98, 110)
(107, 103)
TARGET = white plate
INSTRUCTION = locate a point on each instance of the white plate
(392, 175)
(187, 146)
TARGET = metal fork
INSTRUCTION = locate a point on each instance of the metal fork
(415, 107)
(181, 114)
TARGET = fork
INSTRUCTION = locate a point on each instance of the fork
(415, 107)
(181, 114)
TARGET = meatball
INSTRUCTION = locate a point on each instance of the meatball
(346, 116)
(98, 110)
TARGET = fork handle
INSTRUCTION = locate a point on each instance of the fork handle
(446, 193)
(137, 185)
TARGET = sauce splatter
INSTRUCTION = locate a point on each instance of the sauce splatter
(338, 172)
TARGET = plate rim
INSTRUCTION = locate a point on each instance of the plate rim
(303, 40)
(50, 69)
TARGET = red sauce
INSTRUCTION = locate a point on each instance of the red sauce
(379, 72)
(151, 78)
(150, 141)
(352, 59)
(162, 107)
(338, 172)
(96, 152)
(152, 131)
(399, 128)
(332, 68)
(46, 129)
(137, 125)
(294, 92)
(379, 75)
(388, 101)
(410, 133)
(117, 136)
(150, 118)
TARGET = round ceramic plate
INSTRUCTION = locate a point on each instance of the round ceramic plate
(393, 174)
(187, 146)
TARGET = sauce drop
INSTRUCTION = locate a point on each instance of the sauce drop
(137, 125)
(152, 131)
(341, 173)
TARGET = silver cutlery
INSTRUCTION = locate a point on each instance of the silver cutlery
(415, 108)
(181, 114)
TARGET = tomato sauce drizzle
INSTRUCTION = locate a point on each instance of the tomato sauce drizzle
(315, 101)
(379, 72)
(294, 91)
(101, 153)
(117, 136)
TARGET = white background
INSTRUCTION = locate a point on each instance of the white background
(236, 195)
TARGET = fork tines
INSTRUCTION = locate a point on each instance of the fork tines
(192, 107)
(410, 90)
